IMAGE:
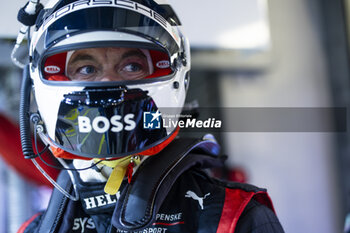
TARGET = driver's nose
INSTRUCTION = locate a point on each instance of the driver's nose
(109, 75)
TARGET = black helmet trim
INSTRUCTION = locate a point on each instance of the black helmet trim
(114, 16)
(163, 9)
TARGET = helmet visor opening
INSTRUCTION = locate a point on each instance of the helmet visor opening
(106, 64)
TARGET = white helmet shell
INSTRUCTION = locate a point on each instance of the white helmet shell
(96, 119)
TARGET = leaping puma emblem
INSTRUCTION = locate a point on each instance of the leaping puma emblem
(194, 196)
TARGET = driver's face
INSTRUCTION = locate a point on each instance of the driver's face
(107, 64)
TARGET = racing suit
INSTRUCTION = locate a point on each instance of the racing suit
(194, 202)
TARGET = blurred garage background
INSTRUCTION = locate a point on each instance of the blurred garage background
(245, 54)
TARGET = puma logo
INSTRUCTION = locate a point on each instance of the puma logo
(194, 196)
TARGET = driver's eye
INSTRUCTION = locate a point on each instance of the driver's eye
(86, 70)
(132, 67)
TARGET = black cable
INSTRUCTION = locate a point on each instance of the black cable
(51, 165)
(24, 121)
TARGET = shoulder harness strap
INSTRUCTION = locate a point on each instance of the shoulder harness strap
(140, 201)
(57, 205)
(237, 197)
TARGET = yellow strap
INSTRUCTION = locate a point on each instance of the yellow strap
(115, 180)
(119, 169)
(118, 162)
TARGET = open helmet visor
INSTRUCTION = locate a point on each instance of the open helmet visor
(106, 64)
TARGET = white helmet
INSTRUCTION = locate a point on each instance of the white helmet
(88, 117)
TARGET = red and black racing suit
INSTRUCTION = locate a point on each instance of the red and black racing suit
(195, 203)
